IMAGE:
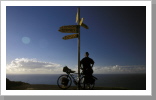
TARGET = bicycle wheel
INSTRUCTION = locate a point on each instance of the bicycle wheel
(64, 82)
(86, 85)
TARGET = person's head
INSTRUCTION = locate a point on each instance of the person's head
(86, 54)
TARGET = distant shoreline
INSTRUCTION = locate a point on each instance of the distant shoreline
(75, 73)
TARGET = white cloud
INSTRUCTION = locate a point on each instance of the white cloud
(33, 66)
(25, 65)
(120, 69)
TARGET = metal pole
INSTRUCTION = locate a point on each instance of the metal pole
(79, 49)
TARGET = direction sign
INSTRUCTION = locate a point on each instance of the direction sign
(81, 21)
(70, 26)
(82, 24)
(70, 36)
(69, 29)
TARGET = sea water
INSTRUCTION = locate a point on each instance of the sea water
(130, 81)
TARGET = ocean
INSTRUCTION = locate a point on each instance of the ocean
(130, 81)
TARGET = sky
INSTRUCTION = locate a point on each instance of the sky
(115, 40)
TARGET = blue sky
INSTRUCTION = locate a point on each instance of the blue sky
(116, 38)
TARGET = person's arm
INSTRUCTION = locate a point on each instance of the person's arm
(92, 63)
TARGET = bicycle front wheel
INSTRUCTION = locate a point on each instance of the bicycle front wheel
(64, 82)
(86, 85)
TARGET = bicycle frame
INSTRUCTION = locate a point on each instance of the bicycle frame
(72, 76)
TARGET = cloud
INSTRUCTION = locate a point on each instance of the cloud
(25, 65)
(120, 69)
(33, 66)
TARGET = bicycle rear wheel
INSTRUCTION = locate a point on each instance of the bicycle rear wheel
(86, 85)
(64, 82)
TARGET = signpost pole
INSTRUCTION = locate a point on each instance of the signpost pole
(79, 48)
(74, 29)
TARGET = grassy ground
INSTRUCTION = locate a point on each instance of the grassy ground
(55, 87)
(12, 85)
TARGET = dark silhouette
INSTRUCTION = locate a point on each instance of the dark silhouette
(11, 84)
(64, 81)
(88, 64)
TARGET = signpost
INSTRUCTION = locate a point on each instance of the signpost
(78, 22)
(69, 29)
(74, 29)
(70, 36)
(82, 24)
(70, 26)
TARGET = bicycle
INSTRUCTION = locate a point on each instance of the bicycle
(65, 81)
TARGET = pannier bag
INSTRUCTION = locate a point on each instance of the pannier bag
(92, 80)
(65, 69)
(64, 81)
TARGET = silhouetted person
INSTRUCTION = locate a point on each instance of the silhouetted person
(87, 65)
